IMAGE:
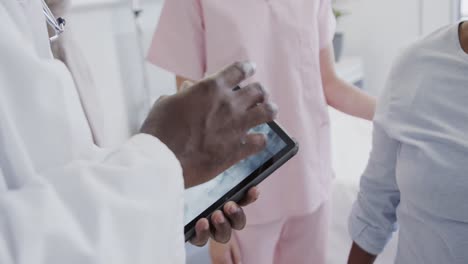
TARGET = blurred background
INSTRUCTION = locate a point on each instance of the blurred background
(115, 35)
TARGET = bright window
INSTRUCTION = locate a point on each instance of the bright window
(464, 8)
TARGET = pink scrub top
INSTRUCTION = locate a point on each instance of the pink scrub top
(284, 39)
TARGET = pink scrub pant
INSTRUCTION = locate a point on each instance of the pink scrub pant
(293, 240)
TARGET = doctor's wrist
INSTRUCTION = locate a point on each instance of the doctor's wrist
(188, 169)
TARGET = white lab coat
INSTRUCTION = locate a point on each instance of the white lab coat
(62, 199)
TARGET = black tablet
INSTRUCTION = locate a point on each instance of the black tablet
(201, 201)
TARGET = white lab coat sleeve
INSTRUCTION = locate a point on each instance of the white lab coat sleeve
(111, 206)
(124, 208)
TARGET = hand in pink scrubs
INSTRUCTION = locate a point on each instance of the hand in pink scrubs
(290, 42)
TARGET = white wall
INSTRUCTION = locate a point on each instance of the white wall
(378, 30)
(437, 13)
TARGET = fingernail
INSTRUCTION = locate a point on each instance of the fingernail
(203, 226)
(249, 67)
(274, 107)
(220, 220)
(257, 193)
(233, 209)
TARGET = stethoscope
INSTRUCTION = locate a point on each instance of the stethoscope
(57, 24)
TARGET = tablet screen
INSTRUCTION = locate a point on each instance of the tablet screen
(199, 198)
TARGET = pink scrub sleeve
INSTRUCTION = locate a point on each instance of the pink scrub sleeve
(327, 23)
(178, 45)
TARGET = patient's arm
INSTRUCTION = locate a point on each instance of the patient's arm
(360, 256)
(341, 95)
(373, 218)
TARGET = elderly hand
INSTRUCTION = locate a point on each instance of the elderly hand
(206, 124)
(221, 224)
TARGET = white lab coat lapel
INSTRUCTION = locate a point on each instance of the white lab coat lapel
(36, 21)
(54, 119)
